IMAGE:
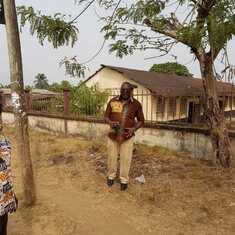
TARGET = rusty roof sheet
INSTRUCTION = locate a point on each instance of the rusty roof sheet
(171, 85)
(7, 91)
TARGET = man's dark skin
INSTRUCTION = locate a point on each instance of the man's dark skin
(125, 95)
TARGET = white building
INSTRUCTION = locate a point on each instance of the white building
(163, 97)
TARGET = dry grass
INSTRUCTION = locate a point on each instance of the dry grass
(180, 196)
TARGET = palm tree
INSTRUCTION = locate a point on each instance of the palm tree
(41, 81)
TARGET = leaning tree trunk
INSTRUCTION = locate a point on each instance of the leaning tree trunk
(215, 116)
(18, 101)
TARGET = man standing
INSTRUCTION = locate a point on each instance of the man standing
(124, 114)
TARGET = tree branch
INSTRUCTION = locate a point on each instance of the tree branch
(88, 5)
(171, 30)
(172, 26)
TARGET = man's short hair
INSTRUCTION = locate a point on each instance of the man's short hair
(132, 86)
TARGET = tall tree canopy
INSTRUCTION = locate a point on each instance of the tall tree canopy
(171, 68)
(205, 28)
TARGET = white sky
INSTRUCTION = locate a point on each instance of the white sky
(45, 59)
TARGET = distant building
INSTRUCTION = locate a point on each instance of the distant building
(35, 94)
(164, 97)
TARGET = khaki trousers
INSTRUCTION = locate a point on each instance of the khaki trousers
(125, 151)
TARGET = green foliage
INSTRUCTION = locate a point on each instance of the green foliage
(59, 87)
(83, 100)
(40, 105)
(145, 24)
(54, 28)
(142, 9)
(171, 68)
(191, 35)
(73, 67)
(41, 81)
(28, 87)
(5, 86)
(87, 101)
(121, 48)
(128, 31)
(221, 23)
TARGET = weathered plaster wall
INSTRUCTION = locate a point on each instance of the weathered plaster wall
(194, 144)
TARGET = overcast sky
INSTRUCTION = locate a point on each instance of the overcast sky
(45, 59)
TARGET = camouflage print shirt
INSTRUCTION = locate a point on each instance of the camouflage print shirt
(7, 196)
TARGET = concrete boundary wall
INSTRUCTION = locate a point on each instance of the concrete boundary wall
(189, 141)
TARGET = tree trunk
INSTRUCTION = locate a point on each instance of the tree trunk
(215, 115)
(18, 101)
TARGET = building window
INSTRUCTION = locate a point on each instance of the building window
(160, 107)
(230, 102)
(172, 107)
(221, 104)
(226, 105)
(183, 106)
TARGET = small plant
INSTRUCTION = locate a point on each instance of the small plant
(88, 101)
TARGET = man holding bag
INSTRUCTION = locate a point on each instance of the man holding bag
(124, 114)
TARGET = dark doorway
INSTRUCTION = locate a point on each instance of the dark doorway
(221, 104)
(190, 112)
(197, 113)
(194, 112)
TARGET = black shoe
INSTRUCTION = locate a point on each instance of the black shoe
(110, 182)
(124, 187)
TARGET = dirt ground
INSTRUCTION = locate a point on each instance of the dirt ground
(180, 196)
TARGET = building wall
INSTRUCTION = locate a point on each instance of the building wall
(174, 114)
(110, 79)
(7, 100)
(229, 103)
(169, 116)
(189, 143)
